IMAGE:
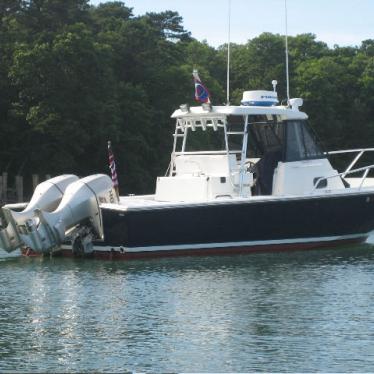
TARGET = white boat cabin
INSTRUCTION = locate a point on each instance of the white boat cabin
(255, 149)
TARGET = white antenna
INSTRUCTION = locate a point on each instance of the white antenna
(274, 83)
(286, 38)
(228, 59)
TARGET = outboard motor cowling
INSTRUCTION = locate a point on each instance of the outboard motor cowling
(78, 212)
(47, 196)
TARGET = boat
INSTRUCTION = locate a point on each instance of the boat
(262, 182)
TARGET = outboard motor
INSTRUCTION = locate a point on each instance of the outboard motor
(77, 218)
(47, 196)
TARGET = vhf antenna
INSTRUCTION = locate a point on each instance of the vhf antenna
(286, 40)
(228, 58)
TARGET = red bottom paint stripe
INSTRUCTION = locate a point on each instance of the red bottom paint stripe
(116, 255)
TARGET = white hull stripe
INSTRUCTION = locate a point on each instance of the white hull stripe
(159, 205)
(223, 245)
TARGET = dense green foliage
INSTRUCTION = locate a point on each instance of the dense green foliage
(73, 76)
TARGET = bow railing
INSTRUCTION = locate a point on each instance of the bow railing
(359, 152)
(365, 170)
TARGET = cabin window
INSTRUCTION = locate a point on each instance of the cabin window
(301, 143)
(265, 136)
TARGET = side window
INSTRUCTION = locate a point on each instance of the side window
(300, 142)
(312, 149)
(294, 148)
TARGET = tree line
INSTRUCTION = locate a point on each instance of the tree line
(73, 76)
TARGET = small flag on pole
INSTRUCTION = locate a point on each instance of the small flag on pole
(112, 167)
(201, 92)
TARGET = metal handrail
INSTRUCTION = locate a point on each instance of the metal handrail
(200, 153)
(360, 152)
(349, 151)
(365, 169)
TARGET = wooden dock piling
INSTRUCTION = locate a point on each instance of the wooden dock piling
(19, 188)
(4, 183)
(35, 181)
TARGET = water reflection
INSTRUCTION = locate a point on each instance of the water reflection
(295, 311)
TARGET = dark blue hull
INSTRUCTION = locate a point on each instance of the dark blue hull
(268, 223)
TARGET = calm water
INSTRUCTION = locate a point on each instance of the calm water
(296, 311)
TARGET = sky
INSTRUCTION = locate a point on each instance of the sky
(341, 22)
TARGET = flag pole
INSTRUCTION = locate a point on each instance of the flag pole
(286, 42)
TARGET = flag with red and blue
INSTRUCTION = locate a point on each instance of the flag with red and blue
(201, 92)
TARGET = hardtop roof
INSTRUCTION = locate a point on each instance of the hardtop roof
(198, 111)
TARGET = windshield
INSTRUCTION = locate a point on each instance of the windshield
(266, 134)
(292, 140)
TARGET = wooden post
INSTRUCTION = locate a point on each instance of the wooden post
(19, 188)
(1, 189)
(35, 181)
(5, 186)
